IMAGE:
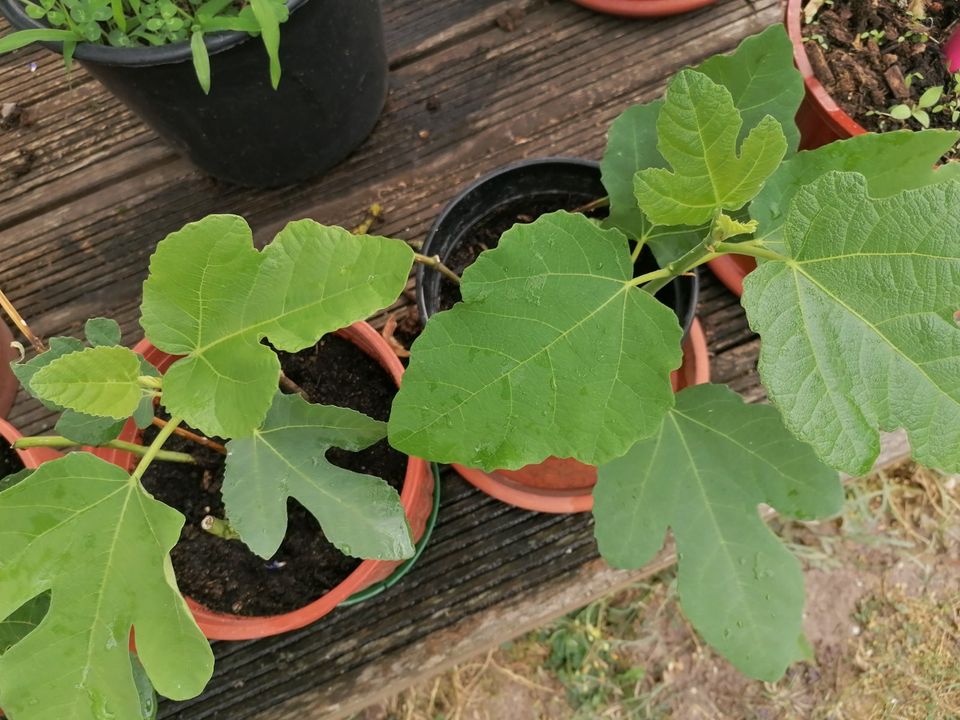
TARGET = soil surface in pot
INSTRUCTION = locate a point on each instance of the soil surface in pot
(871, 55)
(224, 575)
(9, 460)
(486, 235)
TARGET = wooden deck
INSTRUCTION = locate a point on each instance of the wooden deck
(86, 192)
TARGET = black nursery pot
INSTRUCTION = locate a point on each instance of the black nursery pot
(331, 93)
(529, 188)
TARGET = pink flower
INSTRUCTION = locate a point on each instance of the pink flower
(951, 51)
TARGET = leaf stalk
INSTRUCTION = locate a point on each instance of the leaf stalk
(58, 441)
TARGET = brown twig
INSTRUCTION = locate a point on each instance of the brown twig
(20, 323)
(288, 384)
(193, 437)
(592, 205)
(433, 261)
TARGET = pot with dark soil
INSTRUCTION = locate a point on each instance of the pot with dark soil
(873, 65)
(236, 329)
(235, 594)
(250, 119)
(473, 223)
(644, 8)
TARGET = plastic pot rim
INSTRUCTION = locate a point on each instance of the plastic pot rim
(139, 56)
(453, 204)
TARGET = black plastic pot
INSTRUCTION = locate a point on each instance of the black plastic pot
(547, 184)
(331, 93)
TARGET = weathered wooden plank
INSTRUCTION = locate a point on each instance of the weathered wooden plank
(411, 177)
(71, 124)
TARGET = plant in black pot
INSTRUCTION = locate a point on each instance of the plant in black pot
(472, 224)
(258, 112)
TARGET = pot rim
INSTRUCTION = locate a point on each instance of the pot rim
(31, 458)
(815, 90)
(644, 8)
(139, 56)
(695, 370)
(451, 207)
(419, 479)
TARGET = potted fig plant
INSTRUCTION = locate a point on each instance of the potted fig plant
(84, 529)
(197, 74)
(473, 222)
(570, 350)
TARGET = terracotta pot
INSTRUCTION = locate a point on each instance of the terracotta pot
(8, 381)
(417, 497)
(31, 458)
(820, 118)
(732, 269)
(566, 485)
(644, 8)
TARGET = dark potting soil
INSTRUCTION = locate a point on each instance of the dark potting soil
(867, 54)
(486, 234)
(224, 575)
(9, 460)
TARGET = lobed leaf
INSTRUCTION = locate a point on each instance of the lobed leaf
(762, 80)
(286, 457)
(858, 325)
(703, 474)
(890, 162)
(100, 381)
(698, 130)
(212, 297)
(552, 352)
(81, 529)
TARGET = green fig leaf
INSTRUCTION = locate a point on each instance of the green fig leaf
(891, 162)
(83, 530)
(88, 429)
(286, 457)
(697, 132)
(23, 621)
(857, 327)
(762, 80)
(100, 381)
(56, 348)
(102, 331)
(703, 475)
(212, 297)
(552, 352)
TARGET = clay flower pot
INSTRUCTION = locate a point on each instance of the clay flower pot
(644, 8)
(555, 485)
(820, 118)
(417, 498)
(31, 458)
